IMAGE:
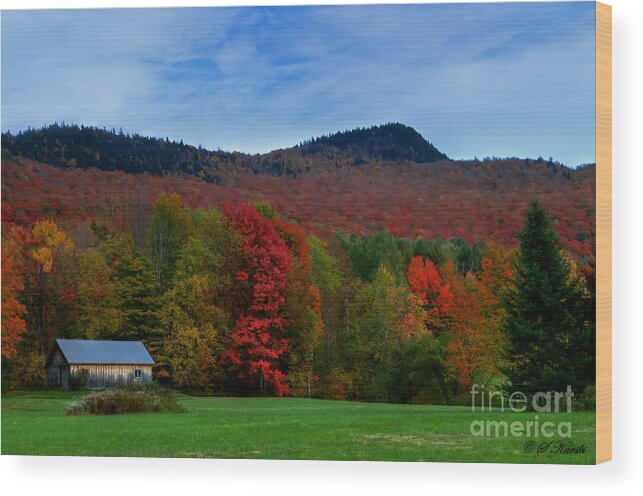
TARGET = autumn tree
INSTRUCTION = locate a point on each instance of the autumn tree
(474, 346)
(302, 311)
(45, 246)
(265, 208)
(98, 312)
(13, 311)
(194, 313)
(48, 295)
(435, 294)
(327, 276)
(196, 328)
(258, 339)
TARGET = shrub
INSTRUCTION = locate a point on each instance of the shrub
(6, 368)
(130, 398)
(26, 371)
(587, 399)
(78, 380)
(340, 385)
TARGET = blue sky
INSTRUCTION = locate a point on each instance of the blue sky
(475, 79)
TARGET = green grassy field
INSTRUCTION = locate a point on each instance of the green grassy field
(279, 428)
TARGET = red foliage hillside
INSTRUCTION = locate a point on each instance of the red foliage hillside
(472, 200)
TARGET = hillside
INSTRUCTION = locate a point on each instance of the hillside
(81, 147)
(474, 200)
(393, 142)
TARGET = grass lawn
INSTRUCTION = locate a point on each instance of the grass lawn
(280, 428)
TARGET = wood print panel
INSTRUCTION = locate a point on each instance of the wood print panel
(604, 232)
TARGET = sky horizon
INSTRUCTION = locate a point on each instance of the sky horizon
(474, 79)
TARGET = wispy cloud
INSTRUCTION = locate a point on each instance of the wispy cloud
(476, 79)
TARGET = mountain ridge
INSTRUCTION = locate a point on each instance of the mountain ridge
(73, 146)
(392, 141)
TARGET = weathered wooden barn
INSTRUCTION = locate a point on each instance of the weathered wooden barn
(97, 364)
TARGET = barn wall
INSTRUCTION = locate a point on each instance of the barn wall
(54, 371)
(53, 376)
(64, 377)
(101, 376)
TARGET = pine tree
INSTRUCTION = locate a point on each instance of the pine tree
(136, 293)
(139, 297)
(551, 339)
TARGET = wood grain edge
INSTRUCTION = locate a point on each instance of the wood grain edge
(603, 232)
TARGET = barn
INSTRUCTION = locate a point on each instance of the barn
(97, 364)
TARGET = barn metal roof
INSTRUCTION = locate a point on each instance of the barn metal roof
(81, 351)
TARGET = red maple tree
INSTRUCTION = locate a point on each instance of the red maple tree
(257, 341)
(436, 296)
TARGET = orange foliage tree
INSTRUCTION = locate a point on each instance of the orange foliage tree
(302, 310)
(44, 247)
(476, 347)
(13, 311)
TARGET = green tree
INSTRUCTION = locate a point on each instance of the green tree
(333, 278)
(265, 208)
(417, 371)
(305, 328)
(194, 314)
(171, 227)
(385, 315)
(368, 253)
(325, 272)
(552, 343)
(216, 250)
(138, 297)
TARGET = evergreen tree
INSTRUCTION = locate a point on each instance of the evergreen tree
(138, 298)
(551, 339)
(132, 309)
(368, 253)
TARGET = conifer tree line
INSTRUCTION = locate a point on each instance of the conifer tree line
(80, 147)
(242, 301)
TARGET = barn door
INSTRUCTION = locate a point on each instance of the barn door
(64, 377)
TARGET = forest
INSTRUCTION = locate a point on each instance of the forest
(474, 201)
(243, 301)
(362, 265)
